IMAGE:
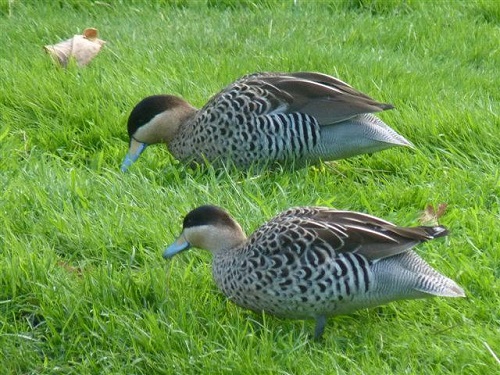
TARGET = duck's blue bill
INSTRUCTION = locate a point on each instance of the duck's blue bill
(135, 150)
(179, 245)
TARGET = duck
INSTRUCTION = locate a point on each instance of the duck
(311, 263)
(264, 119)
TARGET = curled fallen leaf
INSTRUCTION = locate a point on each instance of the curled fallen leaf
(83, 48)
(431, 215)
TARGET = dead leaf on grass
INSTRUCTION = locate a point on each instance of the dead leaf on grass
(83, 48)
(431, 215)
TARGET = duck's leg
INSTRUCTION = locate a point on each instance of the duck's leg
(320, 326)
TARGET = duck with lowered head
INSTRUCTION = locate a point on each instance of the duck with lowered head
(315, 262)
(264, 118)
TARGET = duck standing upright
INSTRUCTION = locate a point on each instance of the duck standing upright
(315, 262)
(264, 118)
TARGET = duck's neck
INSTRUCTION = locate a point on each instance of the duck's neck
(224, 242)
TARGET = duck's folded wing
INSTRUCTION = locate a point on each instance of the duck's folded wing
(347, 231)
(325, 98)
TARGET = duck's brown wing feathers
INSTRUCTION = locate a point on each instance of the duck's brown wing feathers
(345, 231)
(323, 97)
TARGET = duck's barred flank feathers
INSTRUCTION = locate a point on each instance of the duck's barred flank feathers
(314, 262)
(265, 118)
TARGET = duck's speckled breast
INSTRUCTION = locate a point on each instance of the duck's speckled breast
(292, 286)
(240, 125)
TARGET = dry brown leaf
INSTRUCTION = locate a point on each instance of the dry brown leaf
(69, 268)
(431, 215)
(83, 48)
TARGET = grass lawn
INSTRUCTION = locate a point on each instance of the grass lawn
(83, 286)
